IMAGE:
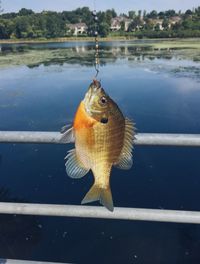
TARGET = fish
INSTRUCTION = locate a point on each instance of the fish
(103, 138)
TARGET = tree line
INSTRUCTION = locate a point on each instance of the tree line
(48, 24)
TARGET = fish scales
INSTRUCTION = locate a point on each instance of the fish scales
(103, 138)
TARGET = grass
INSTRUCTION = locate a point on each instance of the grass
(65, 39)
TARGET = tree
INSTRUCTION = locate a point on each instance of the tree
(122, 24)
(135, 24)
(153, 14)
(6, 29)
(55, 26)
(161, 15)
(131, 14)
(25, 12)
(22, 27)
(149, 25)
(104, 29)
(139, 13)
(157, 27)
(144, 14)
(111, 13)
(188, 12)
(170, 13)
(187, 23)
(165, 23)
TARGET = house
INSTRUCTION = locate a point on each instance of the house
(77, 29)
(157, 22)
(174, 20)
(116, 23)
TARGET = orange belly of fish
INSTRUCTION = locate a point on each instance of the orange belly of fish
(98, 145)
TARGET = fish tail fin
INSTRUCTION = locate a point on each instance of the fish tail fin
(102, 194)
(106, 198)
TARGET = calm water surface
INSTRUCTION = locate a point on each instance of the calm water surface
(40, 88)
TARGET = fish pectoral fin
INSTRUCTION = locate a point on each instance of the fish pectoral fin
(67, 135)
(96, 193)
(65, 128)
(74, 167)
(125, 161)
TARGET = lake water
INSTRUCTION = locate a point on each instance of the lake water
(41, 86)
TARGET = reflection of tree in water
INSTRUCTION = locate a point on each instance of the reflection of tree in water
(18, 234)
(83, 55)
(109, 53)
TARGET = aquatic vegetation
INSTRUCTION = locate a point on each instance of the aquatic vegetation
(82, 54)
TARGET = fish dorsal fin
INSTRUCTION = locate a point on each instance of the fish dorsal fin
(74, 167)
(125, 161)
(67, 135)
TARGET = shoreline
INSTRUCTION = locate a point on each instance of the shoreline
(75, 39)
(71, 39)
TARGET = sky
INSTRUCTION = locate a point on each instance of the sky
(121, 6)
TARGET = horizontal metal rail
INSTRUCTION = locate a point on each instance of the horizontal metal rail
(141, 138)
(15, 261)
(100, 212)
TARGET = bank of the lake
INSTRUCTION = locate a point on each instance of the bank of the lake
(156, 43)
(65, 39)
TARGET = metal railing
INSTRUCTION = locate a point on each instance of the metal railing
(119, 213)
(93, 211)
(141, 138)
(15, 261)
(154, 139)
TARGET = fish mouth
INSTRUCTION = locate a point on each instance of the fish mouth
(93, 90)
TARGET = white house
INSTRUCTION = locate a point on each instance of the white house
(174, 20)
(77, 29)
(116, 23)
(156, 22)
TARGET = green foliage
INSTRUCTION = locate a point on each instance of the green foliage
(25, 12)
(165, 23)
(122, 24)
(27, 24)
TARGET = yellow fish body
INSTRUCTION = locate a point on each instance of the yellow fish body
(103, 138)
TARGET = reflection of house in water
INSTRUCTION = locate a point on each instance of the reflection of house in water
(80, 49)
(77, 29)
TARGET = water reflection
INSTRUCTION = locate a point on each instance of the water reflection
(179, 62)
(145, 85)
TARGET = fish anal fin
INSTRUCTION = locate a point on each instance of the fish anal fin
(97, 193)
(67, 136)
(74, 167)
(125, 161)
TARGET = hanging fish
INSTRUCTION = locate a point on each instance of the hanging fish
(103, 138)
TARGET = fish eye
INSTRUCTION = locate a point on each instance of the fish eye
(103, 100)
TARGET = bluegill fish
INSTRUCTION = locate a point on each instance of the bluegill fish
(103, 138)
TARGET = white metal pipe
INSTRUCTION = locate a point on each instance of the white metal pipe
(100, 212)
(141, 138)
(15, 261)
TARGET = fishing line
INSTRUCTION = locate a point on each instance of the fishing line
(96, 62)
